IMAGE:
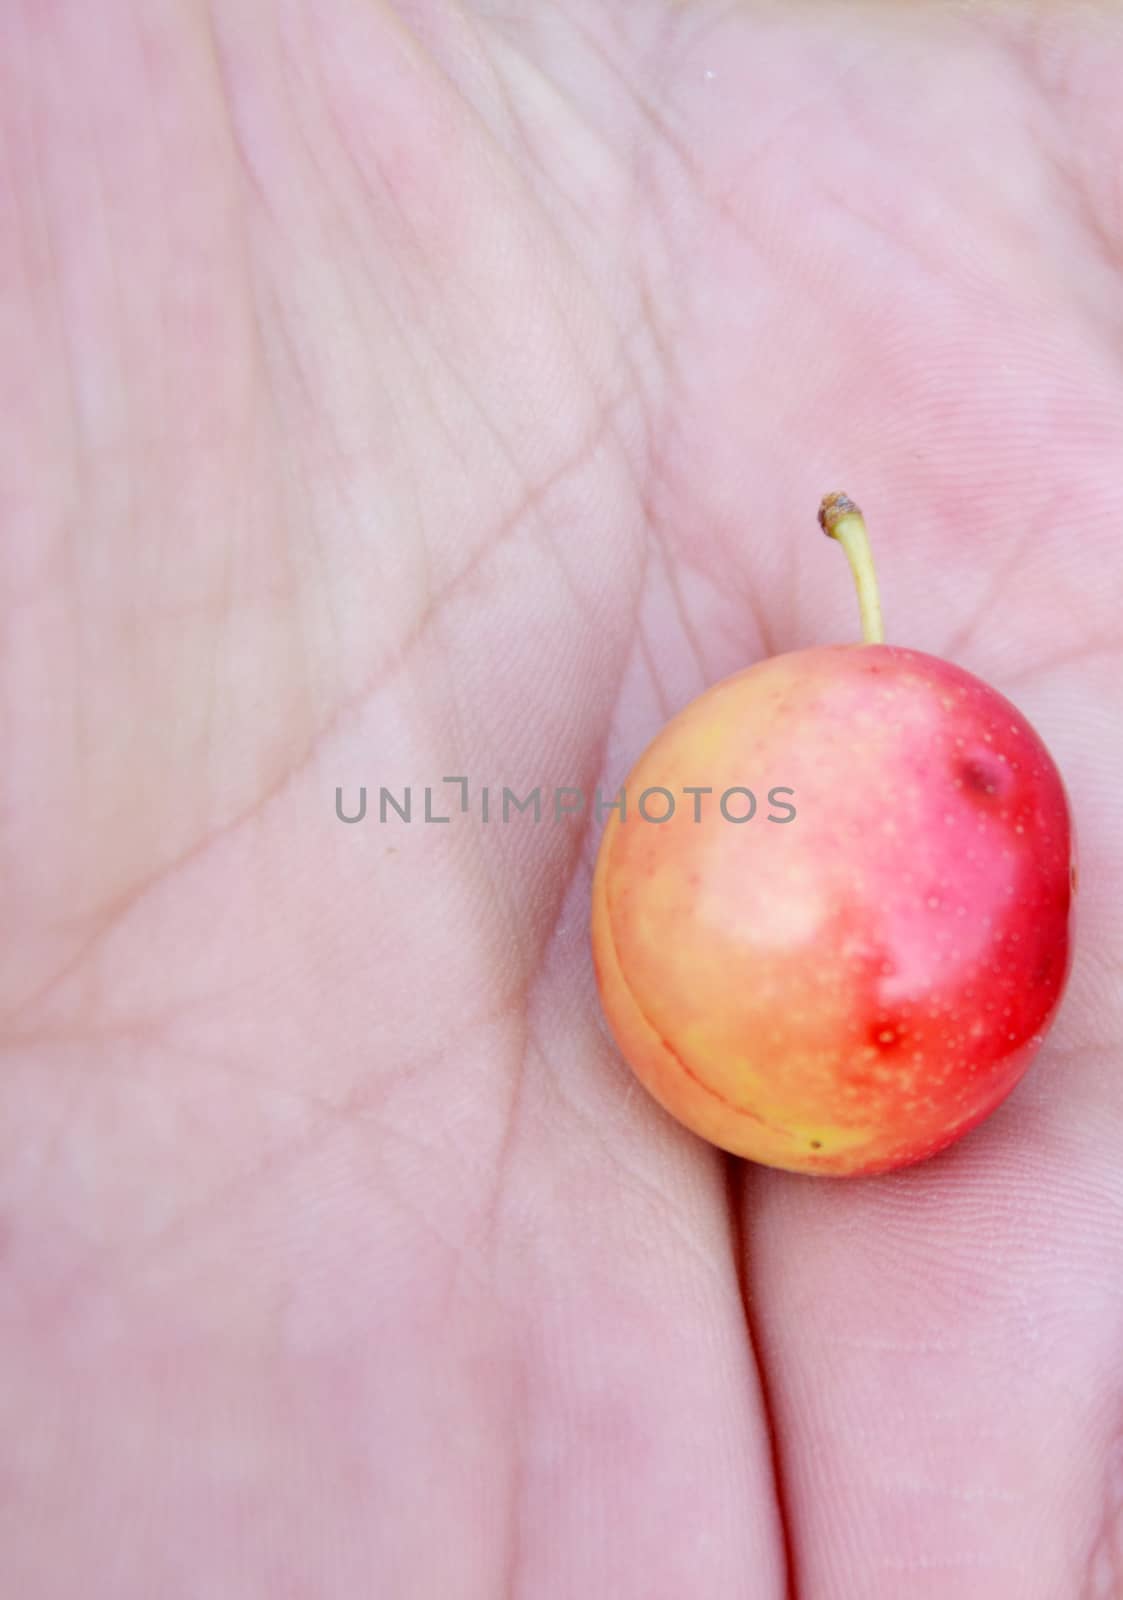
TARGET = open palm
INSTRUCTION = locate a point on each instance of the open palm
(397, 394)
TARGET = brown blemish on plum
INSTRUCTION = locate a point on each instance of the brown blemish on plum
(979, 776)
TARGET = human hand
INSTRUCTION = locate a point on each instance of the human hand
(401, 393)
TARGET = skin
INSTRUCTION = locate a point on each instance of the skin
(392, 395)
(853, 995)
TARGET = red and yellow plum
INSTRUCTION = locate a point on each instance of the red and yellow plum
(860, 971)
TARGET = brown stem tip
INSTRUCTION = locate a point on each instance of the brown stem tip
(841, 520)
(833, 507)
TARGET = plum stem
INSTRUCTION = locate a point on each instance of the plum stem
(841, 519)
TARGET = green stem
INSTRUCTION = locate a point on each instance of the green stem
(841, 519)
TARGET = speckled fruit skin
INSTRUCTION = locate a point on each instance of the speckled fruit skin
(851, 990)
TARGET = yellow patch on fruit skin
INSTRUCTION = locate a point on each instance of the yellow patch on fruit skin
(681, 1089)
